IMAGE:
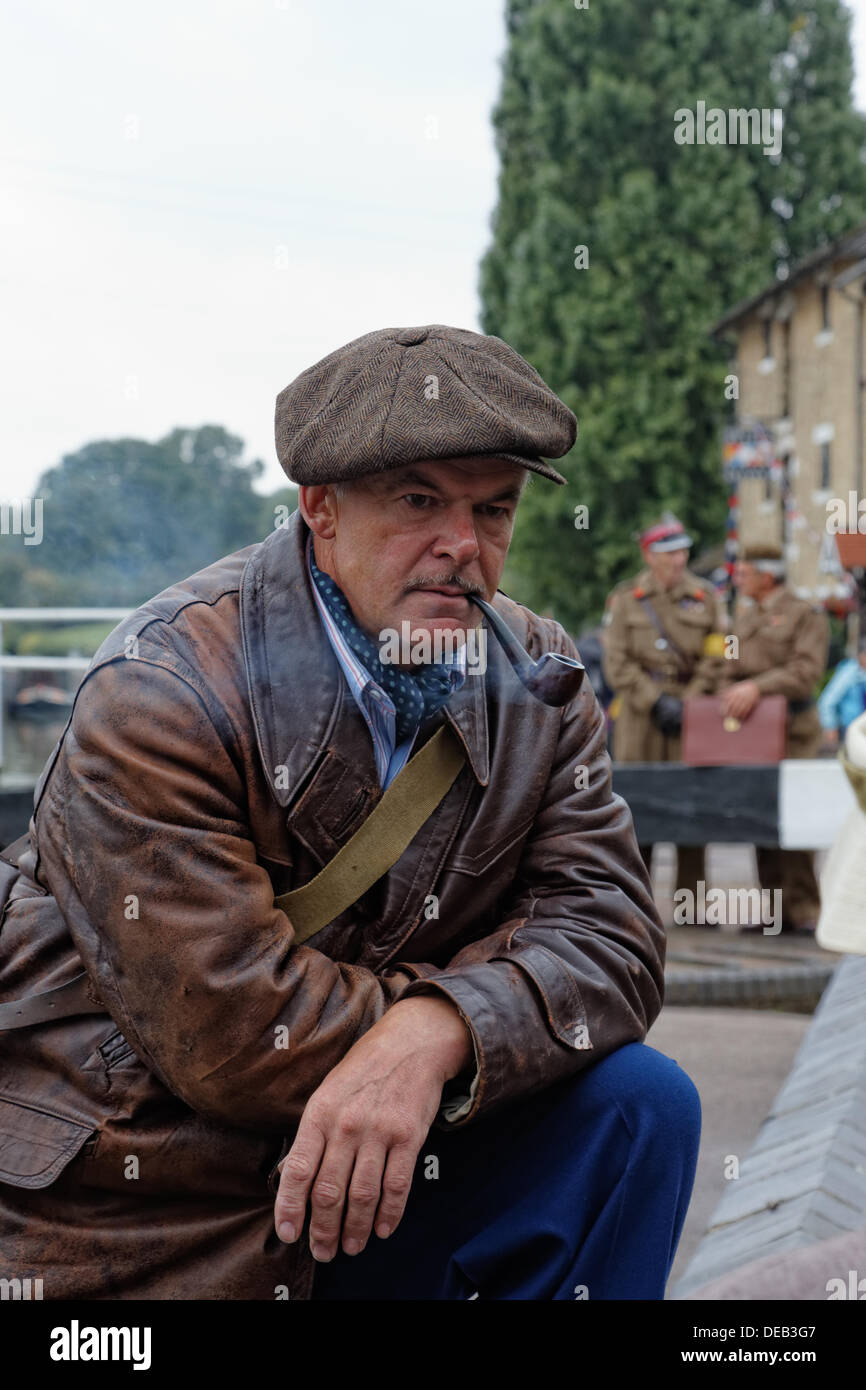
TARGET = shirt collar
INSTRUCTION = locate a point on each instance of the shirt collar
(773, 596)
(455, 660)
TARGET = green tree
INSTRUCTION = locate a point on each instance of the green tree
(275, 506)
(124, 518)
(817, 191)
(675, 234)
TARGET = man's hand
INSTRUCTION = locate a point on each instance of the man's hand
(668, 714)
(361, 1130)
(740, 699)
(830, 741)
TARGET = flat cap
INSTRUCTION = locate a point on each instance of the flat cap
(400, 395)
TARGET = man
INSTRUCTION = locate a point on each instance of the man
(445, 1093)
(782, 645)
(663, 639)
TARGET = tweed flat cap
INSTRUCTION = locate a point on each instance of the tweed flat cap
(400, 395)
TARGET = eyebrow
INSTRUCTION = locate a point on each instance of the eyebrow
(508, 494)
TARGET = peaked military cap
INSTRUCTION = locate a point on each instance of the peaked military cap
(666, 534)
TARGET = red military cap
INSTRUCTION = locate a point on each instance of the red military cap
(666, 534)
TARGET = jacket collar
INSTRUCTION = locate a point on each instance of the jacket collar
(300, 702)
(647, 582)
(775, 598)
(752, 613)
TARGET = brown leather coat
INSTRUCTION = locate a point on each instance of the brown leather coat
(214, 758)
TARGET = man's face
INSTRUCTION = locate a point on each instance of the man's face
(751, 582)
(667, 566)
(409, 544)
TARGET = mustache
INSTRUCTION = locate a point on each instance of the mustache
(451, 581)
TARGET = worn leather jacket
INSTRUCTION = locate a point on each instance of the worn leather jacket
(214, 758)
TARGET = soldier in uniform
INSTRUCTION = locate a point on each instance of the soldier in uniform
(663, 641)
(782, 644)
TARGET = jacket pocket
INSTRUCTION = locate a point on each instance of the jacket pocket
(479, 852)
(35, 1146)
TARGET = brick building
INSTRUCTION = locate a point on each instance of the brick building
(797, 438)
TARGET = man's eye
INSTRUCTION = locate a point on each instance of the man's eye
(421, 502)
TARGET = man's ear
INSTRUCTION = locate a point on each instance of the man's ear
(318, 506)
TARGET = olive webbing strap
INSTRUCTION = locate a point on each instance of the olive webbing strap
(679, 655)
(376, 846)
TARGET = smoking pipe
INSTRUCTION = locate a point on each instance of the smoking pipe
(552, 679)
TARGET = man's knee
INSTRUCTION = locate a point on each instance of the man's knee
(650, 1090)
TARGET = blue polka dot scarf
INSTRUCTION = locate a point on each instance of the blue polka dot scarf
(415, 696)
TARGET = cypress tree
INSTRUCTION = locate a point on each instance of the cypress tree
(675, 233)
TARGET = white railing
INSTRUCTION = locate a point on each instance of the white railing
(34, 662)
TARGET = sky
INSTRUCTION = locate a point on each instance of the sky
(203, 197)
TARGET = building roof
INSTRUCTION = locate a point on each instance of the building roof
(852, 246)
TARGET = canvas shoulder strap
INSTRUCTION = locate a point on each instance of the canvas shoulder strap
(376, 846)
(679, 654)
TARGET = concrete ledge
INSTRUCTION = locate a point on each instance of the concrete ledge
(795, 986)
(804, 1179)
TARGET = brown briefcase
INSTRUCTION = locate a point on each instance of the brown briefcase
(709, 740)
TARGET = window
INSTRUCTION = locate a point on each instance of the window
(768, 337)
(825, 308)
(825, 466)
(824, 336)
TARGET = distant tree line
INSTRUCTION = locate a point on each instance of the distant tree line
(124, 518)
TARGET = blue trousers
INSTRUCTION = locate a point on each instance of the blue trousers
(577, 1191)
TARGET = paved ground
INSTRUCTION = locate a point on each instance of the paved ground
(728, 866)
(737, 1058)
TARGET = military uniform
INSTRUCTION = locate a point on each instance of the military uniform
(641, 663)
(782, 646)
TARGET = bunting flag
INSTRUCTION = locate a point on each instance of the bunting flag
(750, 449)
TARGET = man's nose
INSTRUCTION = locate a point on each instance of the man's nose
(457, 537)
